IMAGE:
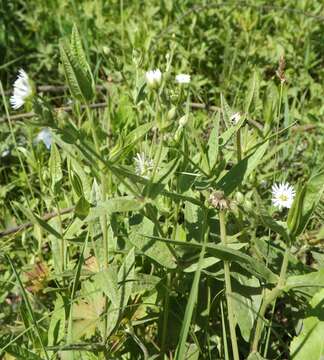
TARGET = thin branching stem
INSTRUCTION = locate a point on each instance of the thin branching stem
(228, 288)
(269, 298)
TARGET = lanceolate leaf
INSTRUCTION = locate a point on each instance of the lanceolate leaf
(117, 204)
(229, 182)
(253, 91)
(77, 50)
(295, 212)
(246, 302)
(142, 230)
(213, 142)
(55, 166)
(129, 141)
(252, 265)
(313, 194)
(144, 282)
(56, 331)
(126, 275)
(309, 343)
(79, 81)
(312, 279)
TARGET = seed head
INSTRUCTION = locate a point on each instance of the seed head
(219, 201)
(281, 69)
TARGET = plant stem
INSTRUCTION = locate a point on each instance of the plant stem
(103, 218)
(269, 298)
(166, 313)
(228, 288)
(239, 145)
(278, 121)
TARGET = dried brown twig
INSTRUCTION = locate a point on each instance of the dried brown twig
(27, 225)
(105, 104)
(58, 109)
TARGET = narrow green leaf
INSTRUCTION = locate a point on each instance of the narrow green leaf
(144, 282)
(181, 348)
(253, 91)
(107, 280)
(252, 265)
(55, 167)
(56, 330)
(309, 343)
(235, 177)
(141, 231)
(213, 142)
(126, 275)
(206, 263)
(313, 279)
(117, 204)
(79, 81)
(313, 195)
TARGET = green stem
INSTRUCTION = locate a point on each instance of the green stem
(166, 314)
(239, 145)
(269, 298)
(121, 8)
(103, 218)
(265, 352)
(160, 146)
(228, 288)
(278, 123)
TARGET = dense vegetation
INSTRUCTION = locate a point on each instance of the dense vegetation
(149, 216)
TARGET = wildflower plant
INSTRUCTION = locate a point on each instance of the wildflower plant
(151, 219)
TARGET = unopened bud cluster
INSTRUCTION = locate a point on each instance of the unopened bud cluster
(219, 201)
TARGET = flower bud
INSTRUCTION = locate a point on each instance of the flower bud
(183, 120)
(153, 78)
(239, 197)
(171, 113)
(219, 201)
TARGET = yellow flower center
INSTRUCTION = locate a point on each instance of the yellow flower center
(283, 197)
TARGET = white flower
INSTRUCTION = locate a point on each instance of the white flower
(153, 77)
(143, 165)
(45, 136)
(22, 90)
(235, 118)
(183, 79)
(283, 195)
(5, 153)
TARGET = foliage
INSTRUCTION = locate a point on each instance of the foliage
(118, 263)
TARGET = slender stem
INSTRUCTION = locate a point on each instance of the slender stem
(269, 298)
(265, 352)
(103, 218)
(228, 288)
(121, 8)
(166, 314)
(278, 123)
(158, 155)
(226, 356)
(239, 145)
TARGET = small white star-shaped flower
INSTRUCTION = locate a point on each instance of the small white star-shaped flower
(183, 79)
(22, 90)
(283, 195)
(143, 165)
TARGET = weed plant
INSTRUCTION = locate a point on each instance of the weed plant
(161, 172)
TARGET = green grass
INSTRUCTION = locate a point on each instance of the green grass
(188, 258)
